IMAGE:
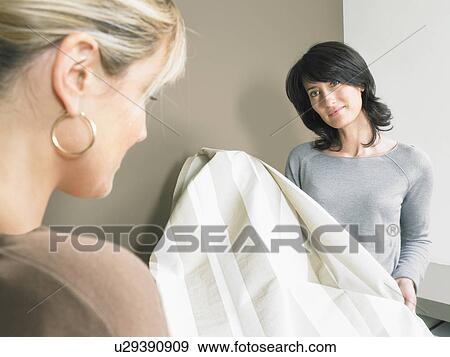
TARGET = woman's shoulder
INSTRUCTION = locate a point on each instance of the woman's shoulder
(301, 151)
(108, 279)
(413, 160)
(74, 258)
(48, 246)
(412, 154)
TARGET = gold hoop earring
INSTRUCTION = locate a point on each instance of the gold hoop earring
(57, 144)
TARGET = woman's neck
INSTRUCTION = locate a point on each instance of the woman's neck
(355, 134)
(27, 179)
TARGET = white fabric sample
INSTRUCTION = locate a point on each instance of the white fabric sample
(288, 293)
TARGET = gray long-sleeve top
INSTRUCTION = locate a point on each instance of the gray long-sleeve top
(393, 190)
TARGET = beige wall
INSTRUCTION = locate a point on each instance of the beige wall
(232, 97)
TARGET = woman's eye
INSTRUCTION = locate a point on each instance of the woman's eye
(313, 93)
(334, 83)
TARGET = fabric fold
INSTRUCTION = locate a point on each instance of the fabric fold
(280, 282)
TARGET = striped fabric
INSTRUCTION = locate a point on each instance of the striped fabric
(289, 293)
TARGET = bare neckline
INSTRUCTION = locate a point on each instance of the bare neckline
(362, 157)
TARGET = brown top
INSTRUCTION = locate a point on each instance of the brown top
(74, 293)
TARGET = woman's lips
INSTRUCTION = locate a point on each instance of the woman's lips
(337, 111)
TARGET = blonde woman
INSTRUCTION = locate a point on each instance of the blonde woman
(74, 80)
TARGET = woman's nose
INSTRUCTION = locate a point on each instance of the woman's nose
(143, 135)
(143, 132)
(329, 99)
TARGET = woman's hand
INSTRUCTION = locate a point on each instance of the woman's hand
(406, 286)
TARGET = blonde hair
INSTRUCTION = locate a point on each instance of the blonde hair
(126, 30)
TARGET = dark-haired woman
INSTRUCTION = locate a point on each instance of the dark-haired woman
(379, 189)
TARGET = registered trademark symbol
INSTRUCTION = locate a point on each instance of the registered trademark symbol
(392, 230)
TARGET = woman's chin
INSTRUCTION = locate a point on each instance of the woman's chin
(103, 194)
(103, 190)
(98, 190)
(340, 123)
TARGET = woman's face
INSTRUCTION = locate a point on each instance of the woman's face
(117, 108)
(337, 104)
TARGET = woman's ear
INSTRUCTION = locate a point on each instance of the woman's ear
(76, 58)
